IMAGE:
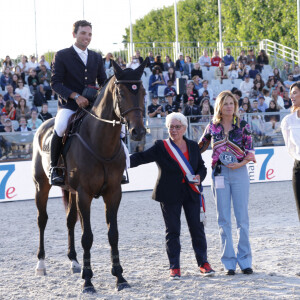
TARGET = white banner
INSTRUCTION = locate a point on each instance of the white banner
(273, 164)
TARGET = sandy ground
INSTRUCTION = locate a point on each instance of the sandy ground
(274, 238)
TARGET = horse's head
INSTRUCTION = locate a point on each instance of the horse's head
(129, 98)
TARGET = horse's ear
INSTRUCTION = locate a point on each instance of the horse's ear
(139, 71)
(117, 68)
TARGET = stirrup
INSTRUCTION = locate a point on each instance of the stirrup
(125, 179)
(59, 179)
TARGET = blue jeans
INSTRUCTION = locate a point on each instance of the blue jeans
(236, 188)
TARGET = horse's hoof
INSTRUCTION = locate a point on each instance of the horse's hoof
(40, 272)
(122, 286)
(88, 290)
(75, 267)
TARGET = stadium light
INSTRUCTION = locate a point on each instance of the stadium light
(130, 52)
(82, 9)
(220, 28)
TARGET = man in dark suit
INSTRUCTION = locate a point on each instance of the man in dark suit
(73, 70)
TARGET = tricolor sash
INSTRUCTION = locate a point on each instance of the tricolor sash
(185, 167)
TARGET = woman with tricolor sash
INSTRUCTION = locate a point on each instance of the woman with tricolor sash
(232, 147)
(180, 173)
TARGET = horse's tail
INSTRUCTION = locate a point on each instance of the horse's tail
(66, 199)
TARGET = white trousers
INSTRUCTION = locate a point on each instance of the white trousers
(61, 120)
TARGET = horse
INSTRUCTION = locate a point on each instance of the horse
(94, 162)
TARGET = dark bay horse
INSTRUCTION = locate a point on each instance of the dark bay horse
(94, 165)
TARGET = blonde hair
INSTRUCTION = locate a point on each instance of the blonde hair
(219, 103)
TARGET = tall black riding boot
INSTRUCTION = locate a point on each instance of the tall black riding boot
(55, 150)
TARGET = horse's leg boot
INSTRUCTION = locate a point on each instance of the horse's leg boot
(55, 149)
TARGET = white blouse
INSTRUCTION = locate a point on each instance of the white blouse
(290, 127)
(24, 92)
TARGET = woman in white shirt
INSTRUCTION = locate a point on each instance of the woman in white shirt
(290, 127)
(22, 90)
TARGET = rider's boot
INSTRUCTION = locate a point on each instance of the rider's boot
(55, 178)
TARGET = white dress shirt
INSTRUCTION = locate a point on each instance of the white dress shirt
(290, 127)
(83, 54)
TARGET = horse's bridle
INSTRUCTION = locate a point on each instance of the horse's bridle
(121, 115)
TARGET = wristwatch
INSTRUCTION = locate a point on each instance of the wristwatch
(76, 96)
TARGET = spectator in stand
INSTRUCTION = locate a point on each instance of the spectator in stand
(33, 81)
(134, 63)
(204, 60)
(23, 125)
(155, 112)
(158, 62)
(190, 92)
(296, 73)
(247, 65)
(285, 72)
(180, 63)
(242, 71)
(205, 113)
(272, 118)
(238, 95)
(253, 72)
(170, 107)
(44, 62)
(24, 65)
(221, 72)
(188, 66)
(232, 71)
(107, 62)
(280, 88)
(289, 81)
(16, 99)
(34, 123)
(2, 102)
(197, 71)
(228, 59)
(270, 85)
(121, 62)
(23, 90)
(15, 79)
(151, 60)
(138, 56)
(197, 82)
(44, 80)
(33, 64)
(259, 79)
(242, 57)
(277, 99)
(206, 88)
(19, 73)
(22, 110)
(2, 120)
(169, 88)
(251, 57)
(155, 80)
(262, 106)
(9, 110)
(262, 59)
(170, 75)
(266, 93)
(6, 78)
(286, 100)
(256, 91)
(192, 109)
(44, 115)
(215, 60)
(8, 128)
(8, 63)
(246, 107)
(246, 86)
(168, 63)
(10, 93)
(276, 75)
(204, 101)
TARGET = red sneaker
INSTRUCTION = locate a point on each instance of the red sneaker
(175, 274)
(206, 270)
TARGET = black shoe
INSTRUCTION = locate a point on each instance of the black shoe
(247, 271)
(230, 272)
(124, 180)
(55, 178)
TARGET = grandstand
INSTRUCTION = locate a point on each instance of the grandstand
(279, 55)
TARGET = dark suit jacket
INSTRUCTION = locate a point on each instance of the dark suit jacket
(168, 185)
(69, 74)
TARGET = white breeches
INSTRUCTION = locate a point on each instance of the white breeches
(126, 155)
(61, 120)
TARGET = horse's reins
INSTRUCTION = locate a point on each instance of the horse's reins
(121, 117)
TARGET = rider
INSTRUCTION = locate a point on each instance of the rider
(74, 69)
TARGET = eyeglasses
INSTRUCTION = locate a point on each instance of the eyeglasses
(20, 81)
(176, 127)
